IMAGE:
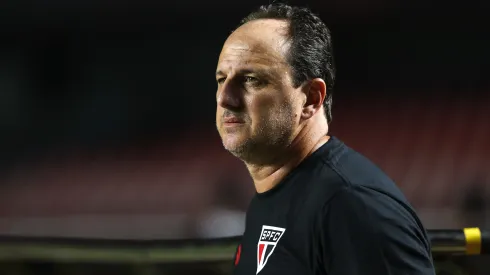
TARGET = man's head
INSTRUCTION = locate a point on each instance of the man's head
(274, 74)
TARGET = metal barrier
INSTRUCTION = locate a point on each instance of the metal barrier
(446, 244)
(468, 241)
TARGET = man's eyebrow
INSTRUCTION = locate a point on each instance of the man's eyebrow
(262, 72)
(249, 71)
(255, 71)
(244, 71)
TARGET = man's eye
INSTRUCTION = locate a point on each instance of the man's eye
(250, 79)
(221, 80)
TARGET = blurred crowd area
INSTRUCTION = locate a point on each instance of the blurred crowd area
(107, 114)
(191, 187)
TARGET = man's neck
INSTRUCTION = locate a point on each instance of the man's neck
(265, 177)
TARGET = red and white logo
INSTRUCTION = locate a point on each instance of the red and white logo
(269, 237)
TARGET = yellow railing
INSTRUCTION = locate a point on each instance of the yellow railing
(468, 241)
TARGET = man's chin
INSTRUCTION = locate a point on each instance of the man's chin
(232, 148)
(235, 148)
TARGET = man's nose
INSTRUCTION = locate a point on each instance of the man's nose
(229, 96)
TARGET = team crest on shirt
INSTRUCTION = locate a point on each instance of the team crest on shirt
(269, 237)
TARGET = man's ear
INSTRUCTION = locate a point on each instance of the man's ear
(315, 91)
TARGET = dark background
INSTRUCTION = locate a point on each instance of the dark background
(107, 112)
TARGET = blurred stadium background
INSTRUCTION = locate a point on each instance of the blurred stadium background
(107, 116)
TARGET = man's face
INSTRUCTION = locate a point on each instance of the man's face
(258, 109)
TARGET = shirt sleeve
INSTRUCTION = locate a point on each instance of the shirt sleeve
(368, 232)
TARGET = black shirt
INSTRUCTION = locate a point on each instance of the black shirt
(336, 213)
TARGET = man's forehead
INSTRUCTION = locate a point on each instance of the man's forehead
(256, 42)
(244, 53)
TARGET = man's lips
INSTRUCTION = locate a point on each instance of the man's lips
(233, 120)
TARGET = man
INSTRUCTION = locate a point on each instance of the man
(320, 207)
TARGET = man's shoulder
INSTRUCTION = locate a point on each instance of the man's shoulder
(345, 167)
(342, 175)
(363, 187)
(376, 204)
(335, 168)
